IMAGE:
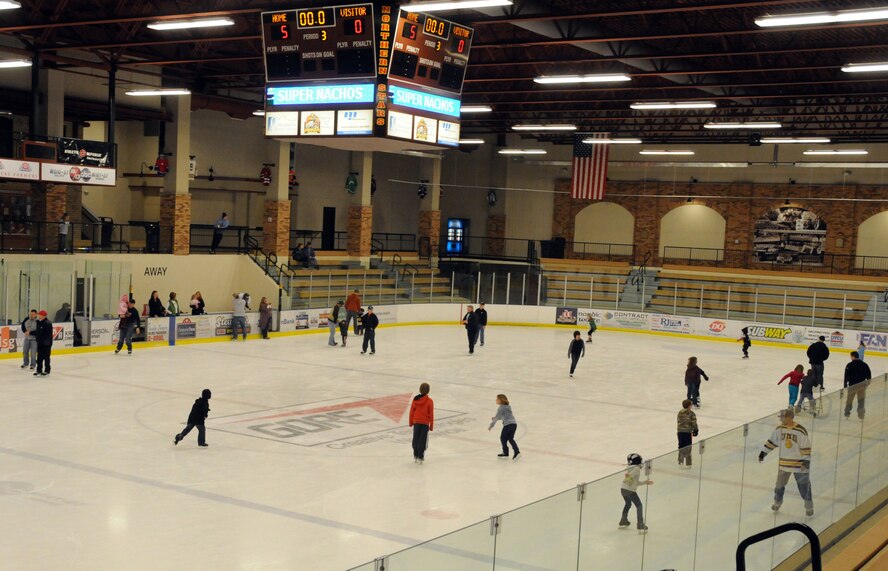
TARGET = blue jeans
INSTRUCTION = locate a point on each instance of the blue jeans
(793, 394)
(126, 335)
(332, 325)
(29, 348)
(238, 321)
(803, 481)
(480, 335)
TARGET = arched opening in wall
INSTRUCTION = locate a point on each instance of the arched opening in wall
(692, 232)
(604, 229)
(872, 243)
(790, 235)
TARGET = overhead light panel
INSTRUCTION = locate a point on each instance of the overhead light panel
(661, 152)
(568, 79)
(259, 113)
(791, 140)
(9, 5)
(626, 141)
(157, 92)
(836, 152)
(864, 67)
(10, 63)
(653, 105)
(842, 165)
(810, 19)
(522, 152)
(453, 5)
(471, 141)
(750, 125)
(552, 127)
(165, 25)
(475, 109)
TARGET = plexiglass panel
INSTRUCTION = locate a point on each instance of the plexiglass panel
(469, 549)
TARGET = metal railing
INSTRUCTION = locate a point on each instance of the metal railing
(233, 238)
(42, 237)
(848, 264)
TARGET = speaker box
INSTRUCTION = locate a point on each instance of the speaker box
(328, 233)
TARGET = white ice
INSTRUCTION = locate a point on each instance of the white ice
(90, 479)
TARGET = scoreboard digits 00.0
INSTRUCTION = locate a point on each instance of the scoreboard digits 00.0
(430, 52)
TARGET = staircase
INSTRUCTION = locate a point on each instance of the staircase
(639, 289)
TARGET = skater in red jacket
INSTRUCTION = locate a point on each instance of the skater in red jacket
(422, 419)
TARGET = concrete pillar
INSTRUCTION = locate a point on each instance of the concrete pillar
(360, 211)
(49, 203)
(430, 208)
(276, 215)
(52, 108)
(175, 198)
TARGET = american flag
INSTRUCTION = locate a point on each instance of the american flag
(589, 168)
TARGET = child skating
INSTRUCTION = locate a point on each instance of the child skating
(199, 412)
(795, 379)
(807, 387)
(592, 328)
(692, 381)
(510, 425)
(746, 342)
(576, 350)
(629, 490)
(422, 419)
(687, 429)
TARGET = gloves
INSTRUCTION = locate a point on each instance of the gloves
(762, 456)
(695, 433)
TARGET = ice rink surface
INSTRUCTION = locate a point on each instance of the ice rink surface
(309, 465)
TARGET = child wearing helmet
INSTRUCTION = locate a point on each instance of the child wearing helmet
(199, 412)
(629, 490)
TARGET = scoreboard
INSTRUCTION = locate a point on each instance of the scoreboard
(430, 52)
(311, 44)
(364, 70)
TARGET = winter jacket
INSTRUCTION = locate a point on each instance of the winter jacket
(504, 413)
(370, 321)
(577, 347)
(857, 372)
(44, 333)
(693, 374)
(795, 378)
(29, 325)
(130, 318)
(471, 321)
(335, 313)
(264, 315)
(199, 411)
(422, 411)
(631, 478)
(482, 316)
(197, 306)
(353, 302)
(240, 306)
(155, 308)
(173, 307)
(818, 353)
(687, 421)
(808, 384)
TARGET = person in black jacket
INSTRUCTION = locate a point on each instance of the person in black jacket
(199, 412)
(129, 322)
(482, 321)
(818, 353)
(44, 334)
(155, 306)
(470, 320)
(576, 350)
(857, 376)
(370, 322)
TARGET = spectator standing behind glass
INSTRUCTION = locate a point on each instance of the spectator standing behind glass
(218, 228)
(239, 319)
(64, 227)
(63, 314)
(155, 306)
(29, 344)
(129, 323)
(264, 317)
(173, 304)
(197, 304)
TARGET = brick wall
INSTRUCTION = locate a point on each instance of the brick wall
(276, 228)
(842, 217)
(496, 233)
(175, 213)
(49, 202)
(360, 230)
(430, 227)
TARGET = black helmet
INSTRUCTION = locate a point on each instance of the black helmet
(633, 459)
(206, 394)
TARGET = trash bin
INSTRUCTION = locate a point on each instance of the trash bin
(107, 231)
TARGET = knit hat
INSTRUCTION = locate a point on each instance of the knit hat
(43, 313)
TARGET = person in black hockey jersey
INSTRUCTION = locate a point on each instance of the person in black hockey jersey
(199, 412)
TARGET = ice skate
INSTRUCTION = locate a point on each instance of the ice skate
(506, 455)
(177, 439)
(516, 456)
(642, 529)
(624, 523)
(809, 509)
(776, 506)
(204, 445)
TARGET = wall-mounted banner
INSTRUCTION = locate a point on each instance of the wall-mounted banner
(19, 170)
(65, 174)
(448, 133)
(317, 123)
(355, 122)
(282, 123)
(320, 94)
(85, 153)
(566, 315)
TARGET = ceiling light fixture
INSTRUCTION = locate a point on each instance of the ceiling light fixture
(836, 152)
(453, 5)
(522, 152)
(750, 125)
(471, 141)
(673, 105)
(476, 109)
(165, 25)
(661, 152)
(864, 67)
(552, 127)
(259, 113)
(791, 140)
(158, 92)
(770, 21)
(566, 79)
(9, 5)
(10, 63)
(612, 141)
